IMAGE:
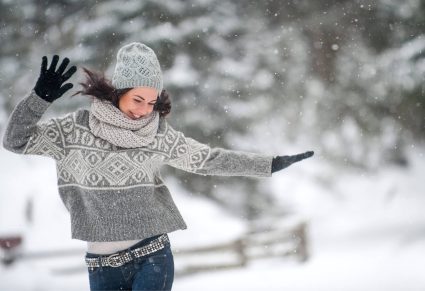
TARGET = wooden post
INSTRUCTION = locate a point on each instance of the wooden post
(300, 233)
(240, 249)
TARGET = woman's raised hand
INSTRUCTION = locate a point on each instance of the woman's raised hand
(49, 83)
(281, 162)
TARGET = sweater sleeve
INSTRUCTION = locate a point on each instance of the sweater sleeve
(26, 135)
(192, 156)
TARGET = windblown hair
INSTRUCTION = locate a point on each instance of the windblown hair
(98, 86)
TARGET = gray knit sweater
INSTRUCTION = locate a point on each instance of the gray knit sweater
(114, 193)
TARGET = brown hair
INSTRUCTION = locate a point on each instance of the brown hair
(98, 86)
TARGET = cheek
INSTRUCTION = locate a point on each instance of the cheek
(125, 104)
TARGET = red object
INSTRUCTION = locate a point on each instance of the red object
(11, 242)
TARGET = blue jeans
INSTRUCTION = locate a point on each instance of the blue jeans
(152, 272)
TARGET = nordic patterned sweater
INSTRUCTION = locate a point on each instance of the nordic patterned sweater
(115, 193)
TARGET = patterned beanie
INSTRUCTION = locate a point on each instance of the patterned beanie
(137, 66)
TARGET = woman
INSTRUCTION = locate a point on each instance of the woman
(108, 160)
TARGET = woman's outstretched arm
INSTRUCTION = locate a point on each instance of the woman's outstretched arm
(192, 156)
(24, 135)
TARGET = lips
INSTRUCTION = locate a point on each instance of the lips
(133, 116)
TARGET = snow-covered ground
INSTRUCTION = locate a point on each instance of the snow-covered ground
(366, 231)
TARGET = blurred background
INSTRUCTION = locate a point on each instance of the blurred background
(342, 78)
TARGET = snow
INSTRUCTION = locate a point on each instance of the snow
(365, 230)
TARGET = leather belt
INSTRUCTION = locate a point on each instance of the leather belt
(123, 257)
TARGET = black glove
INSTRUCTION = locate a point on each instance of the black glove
(49, 84)
(281, 162)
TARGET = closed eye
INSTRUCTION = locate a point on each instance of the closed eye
(138, 101)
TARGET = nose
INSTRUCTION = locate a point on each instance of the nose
(139, 112)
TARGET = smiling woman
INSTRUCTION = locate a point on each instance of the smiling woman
(109, 160)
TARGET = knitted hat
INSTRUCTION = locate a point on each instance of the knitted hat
(137, 66)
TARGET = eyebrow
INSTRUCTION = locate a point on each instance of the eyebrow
(144, 98)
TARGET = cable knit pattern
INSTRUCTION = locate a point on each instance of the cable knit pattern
(137, 66)
(108, 122)
(114, 193)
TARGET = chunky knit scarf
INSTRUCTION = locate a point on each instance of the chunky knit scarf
(110, 123)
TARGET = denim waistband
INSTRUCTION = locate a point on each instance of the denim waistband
(135, 246)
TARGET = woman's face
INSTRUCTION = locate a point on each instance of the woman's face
(138, 102)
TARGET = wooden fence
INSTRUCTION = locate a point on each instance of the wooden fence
(238, 253)
(288, 241)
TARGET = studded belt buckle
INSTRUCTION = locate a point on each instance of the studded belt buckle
(115, 260)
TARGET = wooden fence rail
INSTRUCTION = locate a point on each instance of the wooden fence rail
(256, 244)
